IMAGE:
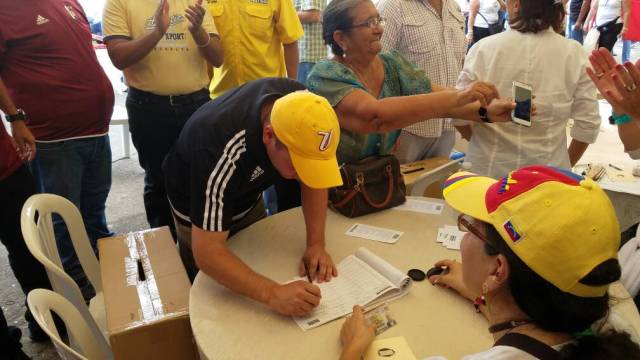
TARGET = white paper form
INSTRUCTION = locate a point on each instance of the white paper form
(365, 279)
(356, 285)
(421, 205)
(374, 233)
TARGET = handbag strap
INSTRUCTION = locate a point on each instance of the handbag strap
(390, 187)
(347, 198)
(529, 345)
(359, 187)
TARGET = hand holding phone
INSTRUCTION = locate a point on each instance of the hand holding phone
(522, 95)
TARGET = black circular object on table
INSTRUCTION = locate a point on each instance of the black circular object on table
(416, 274)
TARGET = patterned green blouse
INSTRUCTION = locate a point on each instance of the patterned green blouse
(334, 81)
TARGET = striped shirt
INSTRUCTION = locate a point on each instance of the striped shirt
(219, 166)
(311, 47)
(432, 42)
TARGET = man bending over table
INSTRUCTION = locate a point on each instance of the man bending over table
(232, 149)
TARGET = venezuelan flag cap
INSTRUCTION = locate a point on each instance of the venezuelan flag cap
(558, 223)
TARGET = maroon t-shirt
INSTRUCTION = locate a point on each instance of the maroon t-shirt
(9, 159)
(49, 65)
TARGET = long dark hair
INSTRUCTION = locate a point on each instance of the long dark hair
(555, 310)
(538, 15)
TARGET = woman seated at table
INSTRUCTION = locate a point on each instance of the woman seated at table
(381, 92)
(537, 260)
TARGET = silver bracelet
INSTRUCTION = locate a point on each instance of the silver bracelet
(205, 44)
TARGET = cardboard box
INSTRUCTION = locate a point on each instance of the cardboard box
(146, 296)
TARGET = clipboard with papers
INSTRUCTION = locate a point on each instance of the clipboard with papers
(364, 279)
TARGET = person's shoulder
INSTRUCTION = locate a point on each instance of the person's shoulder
(393, 57)
(500, 353)
(327, 68)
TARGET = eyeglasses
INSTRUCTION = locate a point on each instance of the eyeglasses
(371, 23)
(466, 223)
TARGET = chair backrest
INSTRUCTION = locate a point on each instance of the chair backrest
(37, 230)
(86, 345)
(430, 180)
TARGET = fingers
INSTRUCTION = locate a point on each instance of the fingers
(634, 72)
(311, 295)
(445, 262)
(608, 58)
(598, 62)
(626, 78)
(619, 83)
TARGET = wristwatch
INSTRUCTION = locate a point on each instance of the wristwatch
(19, 115)
(483, 115)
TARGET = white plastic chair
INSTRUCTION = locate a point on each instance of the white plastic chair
(40, 239)
(87, 346)
(438, 174)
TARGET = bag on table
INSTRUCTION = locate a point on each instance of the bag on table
(369, 185)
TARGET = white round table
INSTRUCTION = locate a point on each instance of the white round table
(434, 321)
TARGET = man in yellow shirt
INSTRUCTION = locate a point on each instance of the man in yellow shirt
(259, 38)
(164, 48)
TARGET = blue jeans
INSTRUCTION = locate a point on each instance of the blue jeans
(304, 68)
(626, 50)
(80, 171)
(575, 35)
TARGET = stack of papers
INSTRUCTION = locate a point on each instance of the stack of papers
(450, 237)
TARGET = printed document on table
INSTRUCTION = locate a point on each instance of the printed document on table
(421, 205)
(374, 233)
(365, 279)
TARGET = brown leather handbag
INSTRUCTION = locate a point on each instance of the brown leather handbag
(369, 185)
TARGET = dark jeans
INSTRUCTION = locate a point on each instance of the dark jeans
(155, 125)
(576, 35)
(304, 68)
(480, 33)
(80, 171)
(14, 191)
(609, 36)
(9, 341)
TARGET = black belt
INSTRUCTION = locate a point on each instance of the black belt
(172, 100)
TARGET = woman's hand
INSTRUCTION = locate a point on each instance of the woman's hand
(500, 110)
(356, 335)
(481, 91)
(619, 85)
(452, 278)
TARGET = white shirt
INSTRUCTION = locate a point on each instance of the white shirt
(555, 68)
(489, 9)
(435, 44)
(608, 10)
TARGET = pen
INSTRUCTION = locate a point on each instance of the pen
(413, 170)
(306, 269)
(615, 167)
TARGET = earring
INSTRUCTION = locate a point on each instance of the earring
(482, 299)
(344, 53)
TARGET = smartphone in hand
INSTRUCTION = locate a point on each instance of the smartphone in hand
(522, 95)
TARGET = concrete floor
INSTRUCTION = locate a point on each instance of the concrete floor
(125, 212)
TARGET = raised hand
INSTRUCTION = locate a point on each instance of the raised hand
(618, 84)
(195, 15)
(162, 17)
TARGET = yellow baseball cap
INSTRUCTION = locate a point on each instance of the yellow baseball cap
(308, 126)
(560, 224)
